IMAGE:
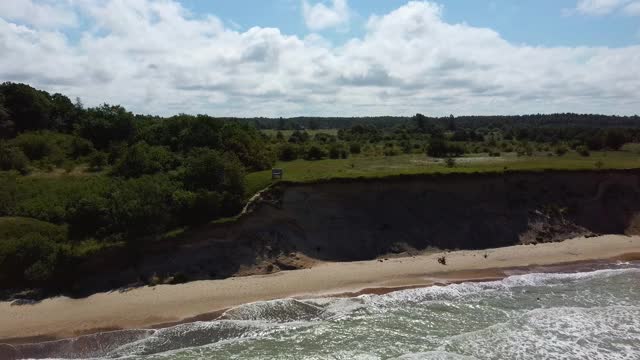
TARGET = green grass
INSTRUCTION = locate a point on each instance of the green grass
(312, 133)
(17, 227)
(379, 166)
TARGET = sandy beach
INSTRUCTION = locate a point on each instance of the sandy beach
(63, 317)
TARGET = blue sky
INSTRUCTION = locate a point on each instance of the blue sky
(539, 22)
(329, 57)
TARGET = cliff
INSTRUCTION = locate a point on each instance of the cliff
(292, 225)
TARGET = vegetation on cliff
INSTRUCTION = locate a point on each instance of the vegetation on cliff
(75, 181)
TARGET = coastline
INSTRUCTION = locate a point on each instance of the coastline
(167, 305)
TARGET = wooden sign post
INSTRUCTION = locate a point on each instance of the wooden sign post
(276, 174)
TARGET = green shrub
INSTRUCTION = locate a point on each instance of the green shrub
(48, 199)
(287, 152)
(450, 162)
(17, 227)
(561, 150)
(337, 151)
(97, 161)
(79, 147)
(140, 207)
(8, 194)
(143, 159)
(12, 158)
(193, 208)
(355, 148)
(583, 150)
(314, 152)
(36, 146)
(32, 260)
(440, 148)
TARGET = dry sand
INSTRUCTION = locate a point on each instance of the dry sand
(148, 306)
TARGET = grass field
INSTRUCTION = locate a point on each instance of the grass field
(287, 133)
(371, 167)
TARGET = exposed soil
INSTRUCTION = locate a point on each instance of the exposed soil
(293, 226)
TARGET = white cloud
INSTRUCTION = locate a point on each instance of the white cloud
(320, 16)
(598, 7)
(605, 7)
(633, 9)
(40, 14)
(155, 57)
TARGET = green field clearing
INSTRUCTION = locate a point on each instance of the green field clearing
(372, 167)
(287, 133)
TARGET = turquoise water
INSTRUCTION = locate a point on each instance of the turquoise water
(588, 315)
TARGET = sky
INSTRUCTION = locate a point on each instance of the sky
(286, 58)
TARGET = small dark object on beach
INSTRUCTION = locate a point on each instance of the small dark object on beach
(486, 255)
(442, 260)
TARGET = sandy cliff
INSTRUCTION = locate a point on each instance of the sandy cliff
(292, 225)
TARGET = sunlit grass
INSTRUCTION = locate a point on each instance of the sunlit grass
(381, 166)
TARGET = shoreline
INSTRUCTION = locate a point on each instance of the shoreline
(169, 305)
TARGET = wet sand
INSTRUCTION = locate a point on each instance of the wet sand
(166, 305)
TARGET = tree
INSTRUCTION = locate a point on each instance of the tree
(30, 109)
(209, 170)
(299, 137)
(106, 124)
(143, 159)
(7, 127)
(64, 114)
(420, 122)
(614, 139)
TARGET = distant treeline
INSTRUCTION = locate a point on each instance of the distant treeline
(504, 122)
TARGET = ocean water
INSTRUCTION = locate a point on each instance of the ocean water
(593, 314)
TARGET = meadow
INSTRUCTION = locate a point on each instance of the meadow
(363, 166)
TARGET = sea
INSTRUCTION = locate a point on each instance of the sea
(591, 312)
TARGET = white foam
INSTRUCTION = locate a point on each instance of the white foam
(558, 333)
(455, 291)
(434, 355)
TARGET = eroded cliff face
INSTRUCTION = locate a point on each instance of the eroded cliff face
(292, 224)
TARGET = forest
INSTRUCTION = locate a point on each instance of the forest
(76, 180)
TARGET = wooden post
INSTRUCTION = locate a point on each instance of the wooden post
(277, 174)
